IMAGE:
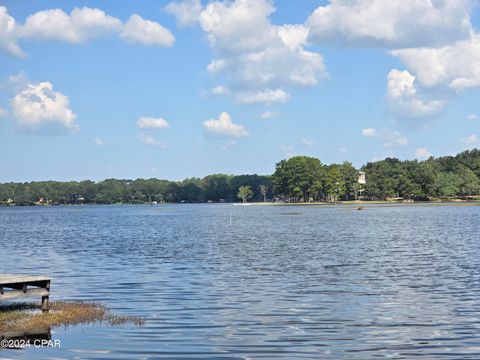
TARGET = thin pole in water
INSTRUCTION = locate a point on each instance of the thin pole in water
(230, 217)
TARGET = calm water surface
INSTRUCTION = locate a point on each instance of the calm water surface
(273, 282)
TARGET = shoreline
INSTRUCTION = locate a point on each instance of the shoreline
(455, 202)
(373, 203)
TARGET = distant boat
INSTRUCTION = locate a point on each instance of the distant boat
(154, 203)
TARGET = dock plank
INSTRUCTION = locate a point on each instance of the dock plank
(14, 286)
(6, 279)
(27, 293)
(41, 333)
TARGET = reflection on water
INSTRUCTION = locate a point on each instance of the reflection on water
(19, 339)
(275, 282)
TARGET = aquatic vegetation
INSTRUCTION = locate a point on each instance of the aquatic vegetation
(27, 317)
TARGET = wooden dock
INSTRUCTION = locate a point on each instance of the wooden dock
(43, 333)
(15, 286)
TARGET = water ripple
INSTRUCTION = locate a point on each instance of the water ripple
(388, 282)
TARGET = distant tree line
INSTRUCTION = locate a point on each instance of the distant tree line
(299, 178)
(448, 176)
(214, 188)
(304, 178)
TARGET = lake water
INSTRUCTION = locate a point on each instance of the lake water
(257, 282)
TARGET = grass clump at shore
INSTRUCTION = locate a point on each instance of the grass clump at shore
(28, 317)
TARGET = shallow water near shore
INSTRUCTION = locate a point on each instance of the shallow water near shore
(257, 282)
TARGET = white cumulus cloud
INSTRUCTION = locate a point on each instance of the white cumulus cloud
(390, 24)
(145, 32)
(152, 123)
(38, 105)
(238, 26)
(8, 37)
(81, 25)
(267, 96)
(435, 40)
(293, 36)
(454, 66)
(252, 53)
(223, 126)
(404, 98)
(472, 117)
(185, 12)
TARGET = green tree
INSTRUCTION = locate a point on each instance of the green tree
(446, 184)
(218, 187)
(382, 178)
(350, 178)
(334, 185)
(254, 181)
(470, 184)
(296, 176)
(244, 193)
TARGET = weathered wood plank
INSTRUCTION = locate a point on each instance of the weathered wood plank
(43, 331)
(9, 279)
(20, 293)
(14, 286)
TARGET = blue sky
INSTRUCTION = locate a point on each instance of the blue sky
(102, 89)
